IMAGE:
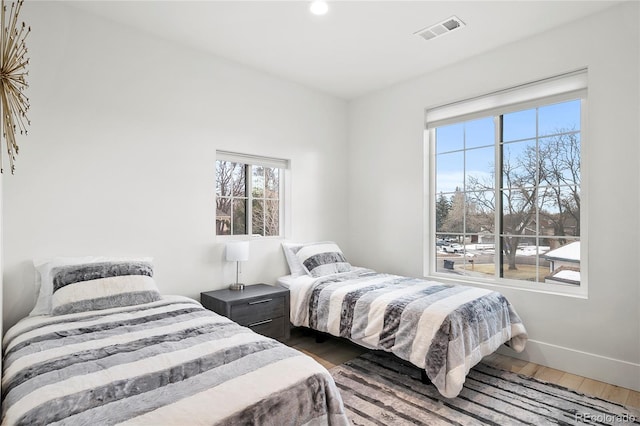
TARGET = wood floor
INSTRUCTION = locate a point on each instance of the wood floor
(336, 351)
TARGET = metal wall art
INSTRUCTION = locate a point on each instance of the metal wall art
(13, 72)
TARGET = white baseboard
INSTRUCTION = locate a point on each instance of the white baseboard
(613, 371)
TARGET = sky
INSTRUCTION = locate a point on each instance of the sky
(469, 146)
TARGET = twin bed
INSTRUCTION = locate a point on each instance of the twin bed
(444, 329)
(102, 346)
(111, 350)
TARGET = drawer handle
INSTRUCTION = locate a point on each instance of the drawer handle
(260, 301)
(260, 323)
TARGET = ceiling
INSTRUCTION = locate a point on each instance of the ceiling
(356, 48)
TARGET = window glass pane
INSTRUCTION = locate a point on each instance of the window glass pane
(486, 242)
(230, 178)
(450, 253)
(258, 181)
(230, 211)
(239, 216)
(272, 182)
(520, 260)
(519, 164)
(479, 133)
(444, 261)
(559, 118)
(562, 262)
(519, 125)
(443, 206)
(239, 180)
(519, 212)
(479, 258)
(450, 138)
(449, 172)
(272, 218)
(222, 184)
(559, 211)
(223, 216)
(454, 221)
(480, 214)
(480, 168)
(560, 159)
(258, 217)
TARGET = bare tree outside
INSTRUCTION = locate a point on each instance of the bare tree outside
(543, 182)
(230, 198)
(560, 175)
(234, 202)
(266, 201)
(272, 201)
(535, 186)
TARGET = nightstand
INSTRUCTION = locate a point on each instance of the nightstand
(261, 307)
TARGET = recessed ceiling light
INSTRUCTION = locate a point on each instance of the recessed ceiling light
(319, 7)
(441, 28)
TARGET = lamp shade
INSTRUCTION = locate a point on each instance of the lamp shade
(237, 251)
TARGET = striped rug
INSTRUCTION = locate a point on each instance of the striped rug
(379, 389)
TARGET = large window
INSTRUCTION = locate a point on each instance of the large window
(506, 197)
(249, 195)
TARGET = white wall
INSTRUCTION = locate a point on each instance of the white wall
(1, 283)
(119, 159)
(598, 337)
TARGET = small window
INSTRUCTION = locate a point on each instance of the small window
(508, 193)
(249, 195)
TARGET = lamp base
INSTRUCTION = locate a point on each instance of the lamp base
(236, 287)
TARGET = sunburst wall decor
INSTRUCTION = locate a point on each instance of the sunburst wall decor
(13, 63)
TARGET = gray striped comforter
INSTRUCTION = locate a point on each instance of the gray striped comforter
(169, 362)
(443, 328)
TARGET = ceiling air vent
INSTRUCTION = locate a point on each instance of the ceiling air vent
(441, 28)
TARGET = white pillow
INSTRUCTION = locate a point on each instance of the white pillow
(290, 250)
(320, 259)
(44, 280)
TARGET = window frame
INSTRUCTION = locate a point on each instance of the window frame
(250, 161)
(463, 111)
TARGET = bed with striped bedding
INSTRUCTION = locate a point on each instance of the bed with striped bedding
(444, 329)
(102, 346)
(164, 362)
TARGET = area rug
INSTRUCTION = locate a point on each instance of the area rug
(379, 389)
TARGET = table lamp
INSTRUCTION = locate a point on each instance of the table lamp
(237, 251)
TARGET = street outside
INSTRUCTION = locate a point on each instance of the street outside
(479, 260)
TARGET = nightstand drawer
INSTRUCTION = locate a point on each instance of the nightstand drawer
(257, 310)
(269, 327)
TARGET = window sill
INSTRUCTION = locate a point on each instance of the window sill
(250, 237)
(552, 289)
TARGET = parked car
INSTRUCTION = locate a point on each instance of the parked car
(453, 248)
